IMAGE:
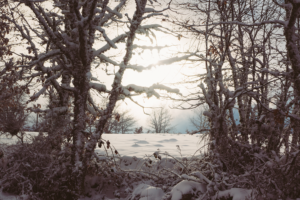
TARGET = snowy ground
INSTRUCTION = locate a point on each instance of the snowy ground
(134, 151)
(140, 145)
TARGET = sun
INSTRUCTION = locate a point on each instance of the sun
(155, 74)
(149, 53)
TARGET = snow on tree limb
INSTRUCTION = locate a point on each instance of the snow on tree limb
(106, 59)
(107, 46)
(284, 23)
(98, 86)
(154, 14)
(152, 10)
(144, 47)
(94, 79)
(91, 110)
(115, 12)
(47, 28)
(43, 57)
(110, 42)
(39, 93)
(47, 83)
(68, 88)
(123, 36)
(283, 5)
(149, 91)
(173, 60)
(91, 101)
(160, 62)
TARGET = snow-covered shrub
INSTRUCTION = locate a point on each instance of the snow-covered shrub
(244, 171)
(38, 170)
(251, 166)
(25, 167)
(281, 175)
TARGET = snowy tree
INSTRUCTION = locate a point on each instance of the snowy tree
(246, 67)
(66, 41)
(12, 92)
(139, 130)
(247, 76)
(199, 121)
(160, 120)
(5, 28)
(123, 122)
(12, 104)
(12, 118)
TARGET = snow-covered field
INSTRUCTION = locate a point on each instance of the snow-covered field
(140, 145)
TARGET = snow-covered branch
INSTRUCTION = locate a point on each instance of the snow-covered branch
(149, 91)
(98, 86)
(160, 62)
(110, 42)
(106, 47)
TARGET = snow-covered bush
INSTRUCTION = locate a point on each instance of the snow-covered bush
(252, 95)
(25, 167)
(243, 172)
(253, 167)
(38, 170)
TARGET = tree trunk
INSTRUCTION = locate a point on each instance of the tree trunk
(90, 146)
(80, 98)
